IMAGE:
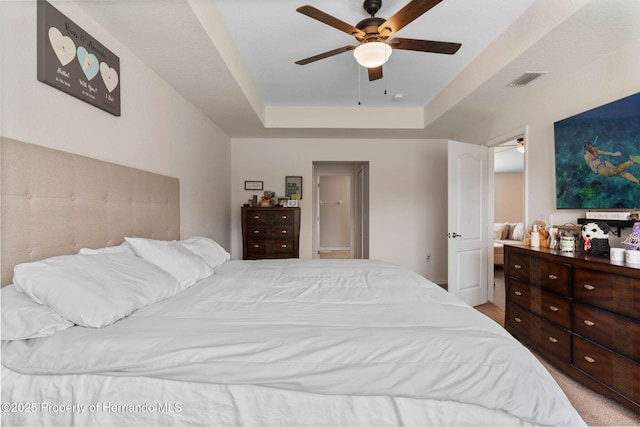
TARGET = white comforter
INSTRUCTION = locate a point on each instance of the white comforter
(358, 328)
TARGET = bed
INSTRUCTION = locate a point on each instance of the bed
(152, 329)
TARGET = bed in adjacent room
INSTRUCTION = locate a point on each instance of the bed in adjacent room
(132, 325)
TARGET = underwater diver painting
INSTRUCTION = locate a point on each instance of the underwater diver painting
(598, 157)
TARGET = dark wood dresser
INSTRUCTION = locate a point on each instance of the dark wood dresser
(270, 233)
(581, 312)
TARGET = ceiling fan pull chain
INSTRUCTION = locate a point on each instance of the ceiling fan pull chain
(385, 83)
(359, 85)
(385, 77)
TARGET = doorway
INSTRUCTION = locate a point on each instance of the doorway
(508, 206)
(509, 202)
(341, 210)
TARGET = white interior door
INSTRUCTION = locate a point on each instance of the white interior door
(467, 223)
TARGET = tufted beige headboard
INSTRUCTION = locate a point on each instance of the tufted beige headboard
(54, 203)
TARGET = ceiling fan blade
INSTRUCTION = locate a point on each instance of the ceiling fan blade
(413, 10)
(375, 73)
(325, 18)
(325, 55)
(424, 45)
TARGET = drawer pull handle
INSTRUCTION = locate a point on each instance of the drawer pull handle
(284, 246)
(256, 217)
(518, 266)
(256, 246)
(589, 359)
(517, 319)
(517, 293)
(553, 308)
(589, 323)
(553, 277)
(284, 231)
(256, 232)
(553, 339)
(284, 217)
(589, 287)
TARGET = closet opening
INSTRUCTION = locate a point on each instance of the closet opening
(341, 210)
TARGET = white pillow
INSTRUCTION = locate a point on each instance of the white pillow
(518, 232)
(210, 251)
(94, 290)
(123, 247)
(185, 266)
(23, 318)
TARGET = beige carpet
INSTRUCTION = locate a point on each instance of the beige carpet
(595, 409)
(335, 254)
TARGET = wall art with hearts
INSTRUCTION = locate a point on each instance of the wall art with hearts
(71, 60)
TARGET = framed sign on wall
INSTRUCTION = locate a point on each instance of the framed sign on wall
(253, 185)
(71, 60)
(293, 187)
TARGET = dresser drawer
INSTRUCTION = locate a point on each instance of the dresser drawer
(281, 231)
(256, 231)
(519, 322)
(554, 277)
(283, 218)
(615, 293)
(282, 248)
(519, 266)
(257, 217)
(555, 308)
(520, 293)
(555, 342)
(611, 369)
(618, 333)
(256, 249)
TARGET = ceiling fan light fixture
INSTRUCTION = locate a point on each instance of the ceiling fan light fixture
(372, 54)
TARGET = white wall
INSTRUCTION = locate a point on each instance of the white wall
(509, 197)
(612, 77)
(158, 130)
(408, 192)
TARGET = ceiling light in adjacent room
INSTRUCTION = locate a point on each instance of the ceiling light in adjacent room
(520, 145)
(372, 54)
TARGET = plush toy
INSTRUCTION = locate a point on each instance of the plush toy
(268, 198)
(542, 231)
(594, 238)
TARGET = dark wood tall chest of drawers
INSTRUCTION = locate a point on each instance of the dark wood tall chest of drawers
(581, 312)
(269, 233)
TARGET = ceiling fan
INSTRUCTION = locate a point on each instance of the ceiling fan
(374, 49)
(518, 144)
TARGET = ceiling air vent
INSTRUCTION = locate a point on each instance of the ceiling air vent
(526, 78)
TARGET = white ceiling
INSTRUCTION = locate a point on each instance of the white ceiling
(506, 159)
(271, 35)
(234, 60)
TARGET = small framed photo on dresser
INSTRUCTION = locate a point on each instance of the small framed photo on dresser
(253, 185)
(292, 203)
